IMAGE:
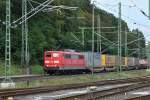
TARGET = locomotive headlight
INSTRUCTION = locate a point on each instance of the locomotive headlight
(56, 62)
(47, 61)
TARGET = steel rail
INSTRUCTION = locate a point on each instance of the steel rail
(145, 97)
(103, 94)
(57, 77)
(26, 91)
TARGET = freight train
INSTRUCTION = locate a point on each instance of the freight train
(61, 61)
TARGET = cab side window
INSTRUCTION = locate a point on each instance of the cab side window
(74, 57)
(67, 56)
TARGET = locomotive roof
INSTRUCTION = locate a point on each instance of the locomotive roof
(66, 52)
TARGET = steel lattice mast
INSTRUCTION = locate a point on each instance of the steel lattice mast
(23, 42)
(8, 41)
(93, 38)
(119, 39)
(25, 50)
(23, 20)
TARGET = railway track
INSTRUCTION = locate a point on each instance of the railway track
(22, 78)
(26, 91)
(108, 93)
(145, 97)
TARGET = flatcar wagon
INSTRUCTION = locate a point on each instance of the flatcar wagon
(93, 64)
(130, 63)
(108, 62)
(59, 61)
(143, 64)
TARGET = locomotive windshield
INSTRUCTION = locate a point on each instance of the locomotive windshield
(48, 55)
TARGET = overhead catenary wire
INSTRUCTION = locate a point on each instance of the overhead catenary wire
(30, 4)
(19, 21)
(139, 8)
(2, 22)
(33, 1)
(41, 7)
(113, 44)
(129, 18)
(106, 39)
(130, 6)
(32, 12)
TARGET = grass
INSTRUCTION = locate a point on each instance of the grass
(37, 69)
(68, 79)
(85, 78)
(17, 70)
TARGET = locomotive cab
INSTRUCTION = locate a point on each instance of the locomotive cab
(51, 62)
(60, 61)
(51, 59)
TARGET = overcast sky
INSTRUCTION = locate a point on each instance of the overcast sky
(130, 14)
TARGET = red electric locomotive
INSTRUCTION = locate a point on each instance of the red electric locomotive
(60, 61)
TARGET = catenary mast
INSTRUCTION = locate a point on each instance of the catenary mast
(8, 41)
(25, 49)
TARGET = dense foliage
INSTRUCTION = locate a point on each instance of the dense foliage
(53, 30)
